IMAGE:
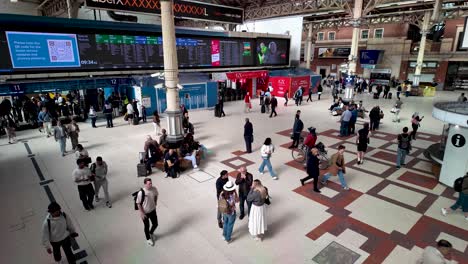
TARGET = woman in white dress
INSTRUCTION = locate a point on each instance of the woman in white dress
(257, 218)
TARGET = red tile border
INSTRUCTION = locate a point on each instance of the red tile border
(419, 180)
(391, 157)
(229, 164)
(238, 152)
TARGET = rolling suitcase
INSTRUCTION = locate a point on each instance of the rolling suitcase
(217, 111)
(389, 96)
(263, 109)
(376, 96)
(136, 121)
(141, 170)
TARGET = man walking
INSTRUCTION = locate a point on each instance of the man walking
(57, 232)
(244, 180)
(345, 119)
(310, 94)
(298, 96)
(313, 170)
(248, 135)
(220, 182)
(83, 178)
(352, 121)
(337, 167)
(404, 147)
(297, 129)
(45, 118)
(274, 104)
(60, 135)
(147, 200)
(99, 169)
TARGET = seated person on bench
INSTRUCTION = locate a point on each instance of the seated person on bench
(171, 163)
(152, 153)
(189, 153)
(195, 145)
(336, 106)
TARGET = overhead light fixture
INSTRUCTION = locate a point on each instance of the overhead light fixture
(14, 1)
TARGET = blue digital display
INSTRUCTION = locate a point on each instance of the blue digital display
(42, 50)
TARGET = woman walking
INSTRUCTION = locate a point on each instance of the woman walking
(156, 123)
(92, 115)
(73, 132)
(415, 124)
(10, 129)
(267, 149)
(313, 170)
(60, 135)
(247, 102)
(257, 217)
(362, 141)
(286, 94)
(229, 216)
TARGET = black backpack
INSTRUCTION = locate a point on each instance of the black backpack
(404, 143)
(135, 196)
(458, 184)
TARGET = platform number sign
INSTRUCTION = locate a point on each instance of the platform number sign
(458, 140)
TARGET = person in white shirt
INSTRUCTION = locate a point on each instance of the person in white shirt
(83, 178)
(99, 169)
(130, 113)
(57, 231)
(432, 255)
(267, 149)
(93, 116)
(60, 135)
(147, 199)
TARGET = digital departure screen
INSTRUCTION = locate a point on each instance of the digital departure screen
(25, 52)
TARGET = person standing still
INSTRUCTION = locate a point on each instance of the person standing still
(313, 170)
(220, 182)
(156, 123)
(73, 132)
(274, 104)
(244, 180)
(319, 91)
(108, 113)
(83, 178)
(60, 135)
(247, 103)
(286, 94)
(57, 232)
(99, 169)
(92, 115)
(404, 147)
(257, 218)
(229, 217)
(297, 130)
(147, 200)
(248, 135)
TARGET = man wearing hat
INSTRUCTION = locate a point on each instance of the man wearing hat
(57, 232)
(220, 182)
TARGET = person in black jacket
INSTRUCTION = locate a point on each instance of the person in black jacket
(220, 182)
(274, 104)
(244, 179)
(248, 135)
(374, 116)
(313, 169)
(297, 129)
(319, 91)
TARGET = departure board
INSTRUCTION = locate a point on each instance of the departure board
(26, 52)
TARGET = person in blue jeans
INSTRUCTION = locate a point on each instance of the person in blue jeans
(60, 135)
(337, 167)
(229, 217)
(462, 200)
(267, 149)
(404, 147)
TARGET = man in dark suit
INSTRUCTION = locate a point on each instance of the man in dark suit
(244, 180)
(313, 169)
(274, 104)
(248, 135)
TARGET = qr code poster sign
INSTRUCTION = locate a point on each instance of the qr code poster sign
(60, 50)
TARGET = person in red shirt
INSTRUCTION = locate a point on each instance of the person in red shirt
(247, 102)
(311, 138)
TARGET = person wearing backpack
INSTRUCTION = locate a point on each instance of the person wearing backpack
(404, 147)
(227, 205)
(57, 231)
(460, 186)
(146, 201)
(99, 169)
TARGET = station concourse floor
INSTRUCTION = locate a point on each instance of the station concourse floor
(388, 215)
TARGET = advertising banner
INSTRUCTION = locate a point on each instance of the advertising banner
(303, 81)
(334, 52)
(280, 85)
(246, 75)
(369, 56)
(182, 8)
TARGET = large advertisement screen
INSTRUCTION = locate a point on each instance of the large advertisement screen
(334, 52)
(33, 51)
(272, 51)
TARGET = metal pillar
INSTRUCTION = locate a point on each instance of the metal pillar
(357, 13)
(422, 46)
(309, 47)
(171, 75)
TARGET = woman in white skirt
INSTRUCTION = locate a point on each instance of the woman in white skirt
(257, 218)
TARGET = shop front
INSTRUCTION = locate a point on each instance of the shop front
(251, 82)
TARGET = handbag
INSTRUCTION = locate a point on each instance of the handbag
(223, 205)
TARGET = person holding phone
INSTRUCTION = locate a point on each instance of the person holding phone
(415, 124)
